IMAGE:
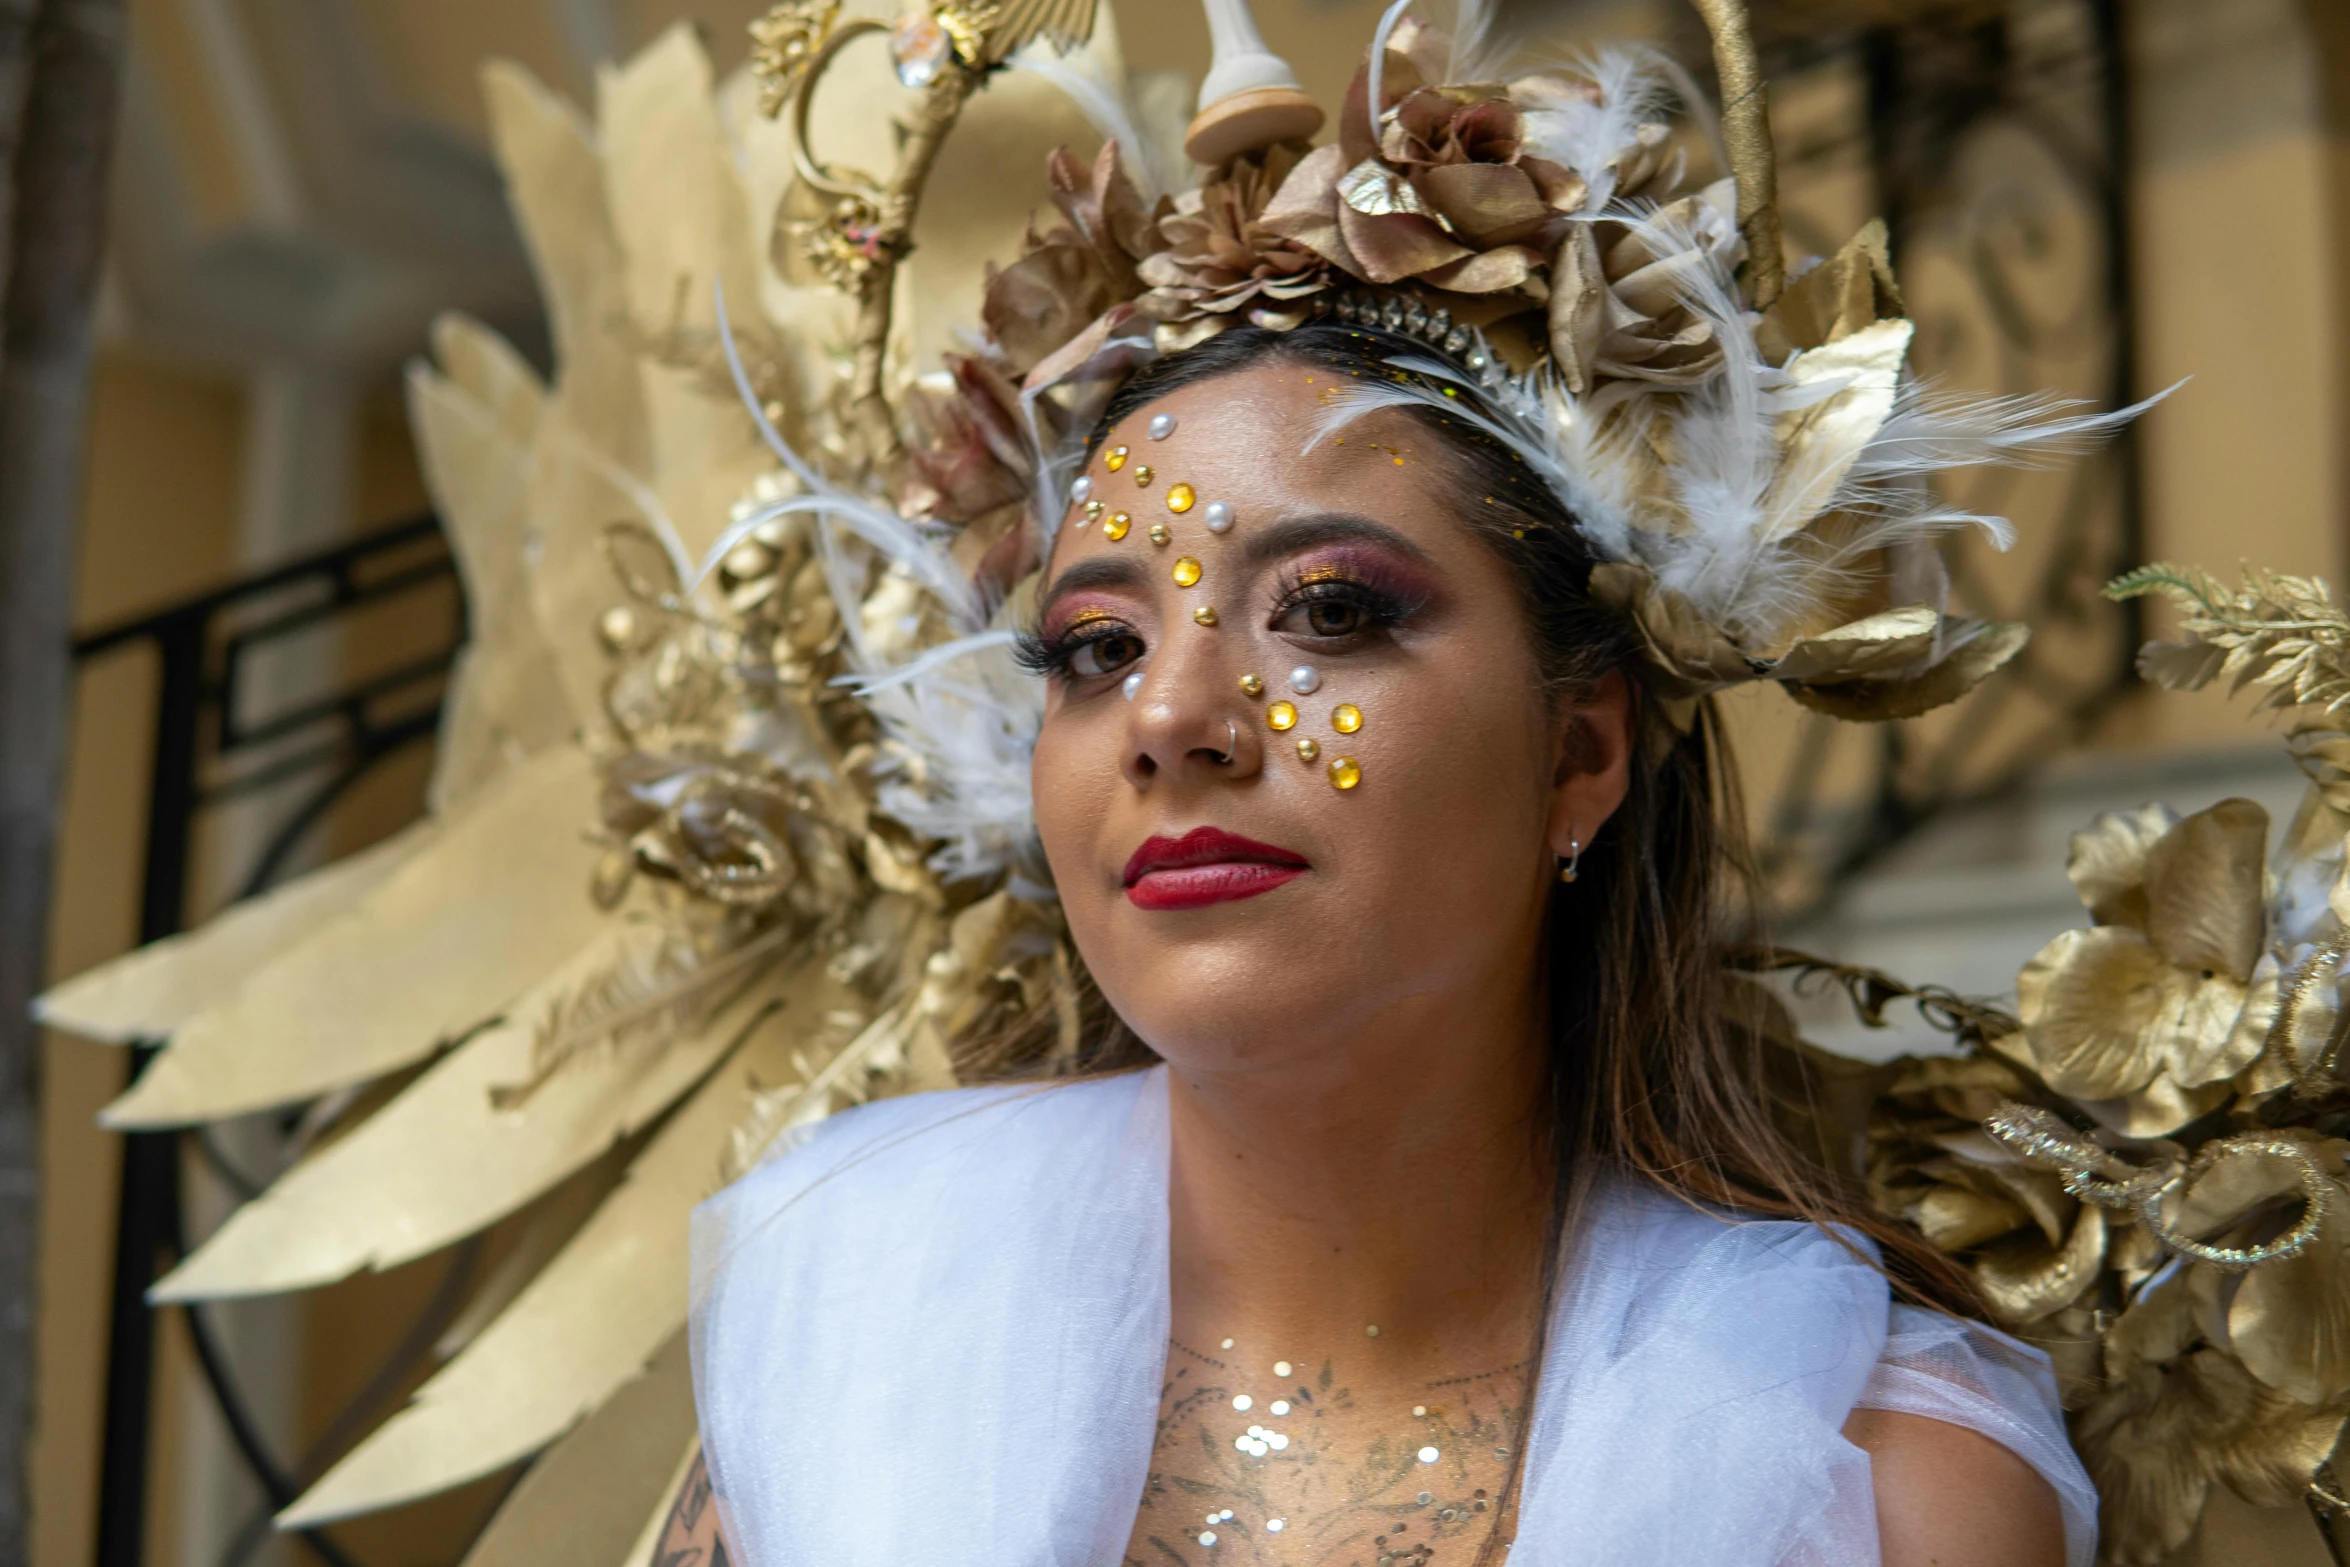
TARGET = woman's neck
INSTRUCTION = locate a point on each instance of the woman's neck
(1390, 1177)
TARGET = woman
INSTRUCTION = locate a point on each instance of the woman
(1450, 1225)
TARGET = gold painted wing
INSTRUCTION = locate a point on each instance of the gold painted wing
(149, 993)
(602, 1309)
(495, 899)
(445, 1158)
(586, 1500)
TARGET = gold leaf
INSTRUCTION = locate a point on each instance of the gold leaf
(2090, 1003)
(1973, 652)
(2139, 1441)
(2107, 862)
(2156, 1329)
(1956, 1218)
(1862, 647)
(2024, 1278)
(2290, 1321)
(2205, 891)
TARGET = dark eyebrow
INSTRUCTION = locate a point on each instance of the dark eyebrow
(1292, 534)
(1101, 571)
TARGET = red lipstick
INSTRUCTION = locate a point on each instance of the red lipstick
(1206, 865)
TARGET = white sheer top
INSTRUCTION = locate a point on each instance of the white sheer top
(933, 1330)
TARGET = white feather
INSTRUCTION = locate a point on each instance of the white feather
(1105, 105)
(1634, 88)
(1378, 81)
(964, 717)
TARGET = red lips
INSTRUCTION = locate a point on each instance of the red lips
(1206, 865)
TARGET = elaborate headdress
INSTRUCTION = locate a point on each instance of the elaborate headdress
(781, 691)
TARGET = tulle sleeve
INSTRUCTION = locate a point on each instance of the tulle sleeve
(1965, 1374)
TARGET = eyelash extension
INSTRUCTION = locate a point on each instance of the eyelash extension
(1039, 654)
(1381, 607)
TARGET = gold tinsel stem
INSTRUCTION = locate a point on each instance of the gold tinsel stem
(1746, 134)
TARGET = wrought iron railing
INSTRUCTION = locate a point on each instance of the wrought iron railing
(211, 748)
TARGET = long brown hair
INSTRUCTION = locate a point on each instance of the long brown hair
(1657, 1068)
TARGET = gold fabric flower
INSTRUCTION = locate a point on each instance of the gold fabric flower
(1070, 276)
(1619, 299)
(1447, 195)
(1222, 266)
(2144, 1017)
(2034, 1247)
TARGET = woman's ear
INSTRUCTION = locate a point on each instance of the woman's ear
(1592, 763)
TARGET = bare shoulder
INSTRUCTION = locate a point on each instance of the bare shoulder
(1950, 1497)
(691, 1538)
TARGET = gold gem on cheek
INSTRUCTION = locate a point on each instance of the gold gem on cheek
(1186, 572)
(1142, 475)
(1116, 527)
(1116, 460)
(1345, 772)
(1308, 749)
(1205, 614)
(1180, 497)
(1347, 718)
(1282, 715)
(1159, 533)
(1250, 685)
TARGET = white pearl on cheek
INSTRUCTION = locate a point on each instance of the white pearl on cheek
(1162, 426)
(1219, 517)
(1305, 680)
(1132, 685)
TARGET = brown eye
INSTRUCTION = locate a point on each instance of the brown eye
(1334, 618)
(1104, 655)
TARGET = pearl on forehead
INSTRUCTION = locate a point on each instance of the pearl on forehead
(1162, 426)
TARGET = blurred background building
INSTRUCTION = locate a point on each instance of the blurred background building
(2100, 196)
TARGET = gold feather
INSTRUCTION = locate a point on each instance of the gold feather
(444, 1159)
(597, 1313)
(485, 908)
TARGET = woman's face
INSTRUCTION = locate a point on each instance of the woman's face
(1240, 912)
